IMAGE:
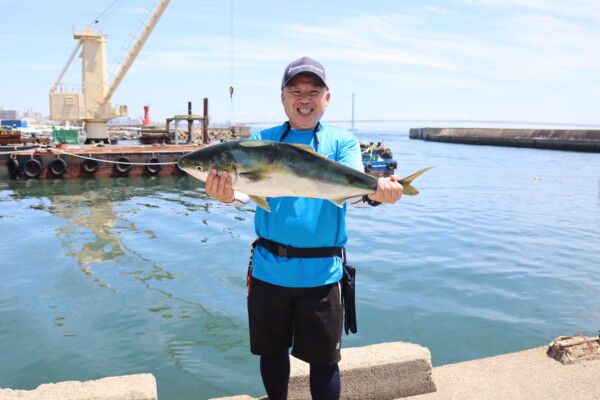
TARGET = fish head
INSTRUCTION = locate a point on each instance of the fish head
(200, 162)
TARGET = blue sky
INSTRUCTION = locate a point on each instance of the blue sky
(511, 60)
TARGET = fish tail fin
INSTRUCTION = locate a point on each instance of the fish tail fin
(414, 176)
(406, 182)
(410, 190)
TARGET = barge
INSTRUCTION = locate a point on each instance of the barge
(91, 161)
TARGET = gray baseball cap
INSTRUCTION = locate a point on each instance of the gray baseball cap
(304, 65)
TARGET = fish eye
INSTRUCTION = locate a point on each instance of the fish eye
(199, 168)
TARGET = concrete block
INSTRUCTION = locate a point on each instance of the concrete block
(129, 387)
(383, 371)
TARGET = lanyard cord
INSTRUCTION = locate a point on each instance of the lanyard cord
(288, 127)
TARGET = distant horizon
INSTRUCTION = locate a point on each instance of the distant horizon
(391, 123)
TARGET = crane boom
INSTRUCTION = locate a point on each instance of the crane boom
(62, 73)
(93, 104)
(135, 50)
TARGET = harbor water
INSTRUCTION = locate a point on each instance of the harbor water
(499, 253)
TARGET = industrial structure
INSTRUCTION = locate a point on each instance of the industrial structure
(92, 104)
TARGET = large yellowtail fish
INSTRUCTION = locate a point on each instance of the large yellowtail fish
(262, 168)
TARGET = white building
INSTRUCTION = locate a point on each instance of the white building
(9, 114)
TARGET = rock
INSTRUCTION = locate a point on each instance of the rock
(572, 349)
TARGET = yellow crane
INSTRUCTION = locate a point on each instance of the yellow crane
(92, 104)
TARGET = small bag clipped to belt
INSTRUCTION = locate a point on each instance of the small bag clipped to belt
(348, 296)
(348, 277)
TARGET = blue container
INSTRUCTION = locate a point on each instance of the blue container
(15, 123)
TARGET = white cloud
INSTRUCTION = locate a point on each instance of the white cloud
(584, 9)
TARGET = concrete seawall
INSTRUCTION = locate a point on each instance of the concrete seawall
(552, 139)
(568, 368)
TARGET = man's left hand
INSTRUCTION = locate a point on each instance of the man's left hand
(389, 190)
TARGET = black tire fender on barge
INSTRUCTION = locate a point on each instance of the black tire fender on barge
(32, 168)
(124, 165)
(58, 167)
(153, 169)
(12, 164)
(89, 166)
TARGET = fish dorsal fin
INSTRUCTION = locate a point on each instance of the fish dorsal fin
(261, 143)
(305, 147)
(255, 143)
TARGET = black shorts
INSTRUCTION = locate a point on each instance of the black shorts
(307, 319)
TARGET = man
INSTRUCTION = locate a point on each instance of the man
(294, 297)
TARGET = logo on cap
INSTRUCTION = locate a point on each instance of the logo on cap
(304, 65)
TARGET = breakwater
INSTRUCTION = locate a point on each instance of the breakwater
(587, 140)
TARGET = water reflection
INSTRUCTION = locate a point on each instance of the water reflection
(96, 220)
(150, 306)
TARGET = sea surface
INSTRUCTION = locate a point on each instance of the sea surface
(499, 253)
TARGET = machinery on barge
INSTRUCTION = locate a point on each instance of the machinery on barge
(26, 158)
(92, 105)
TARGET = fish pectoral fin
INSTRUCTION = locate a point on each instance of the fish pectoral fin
(338, 202)
(255, 143)
(412, 177)
(261, 202)
(409, 190)
(254, 176)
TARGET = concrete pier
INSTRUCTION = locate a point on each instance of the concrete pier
(385, 371)
(129, 387)
(586, 140)
(529, 374)
(399, 371)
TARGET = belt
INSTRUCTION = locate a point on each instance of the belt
(298, 252)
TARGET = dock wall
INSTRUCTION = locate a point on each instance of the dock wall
(568, 368)
(129, 387)
(586, 140)
(384, 371)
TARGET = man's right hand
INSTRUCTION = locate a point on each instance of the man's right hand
(219, 187)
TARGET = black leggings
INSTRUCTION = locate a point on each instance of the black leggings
(275, 371)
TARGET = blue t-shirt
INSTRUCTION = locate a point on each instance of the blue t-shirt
(303, 222)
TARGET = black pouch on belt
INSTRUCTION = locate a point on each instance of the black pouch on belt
(348, 296)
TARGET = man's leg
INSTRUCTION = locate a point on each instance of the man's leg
(317, 337)
(270, 313)
(275, 372)
(325, 382)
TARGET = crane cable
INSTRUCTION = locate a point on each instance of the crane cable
(230, 62)
(110, 14)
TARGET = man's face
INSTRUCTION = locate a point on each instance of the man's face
(304, 101)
